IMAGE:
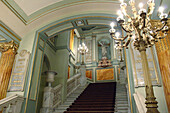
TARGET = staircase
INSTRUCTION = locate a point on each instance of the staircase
(121, 104)
(96, 98)
(63, 107)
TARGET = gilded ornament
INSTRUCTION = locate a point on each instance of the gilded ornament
(5, 46)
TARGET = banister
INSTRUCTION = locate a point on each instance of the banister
(140, 102)
(13, 101)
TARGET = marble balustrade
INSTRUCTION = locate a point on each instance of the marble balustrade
(73, 83)
(57, 95)
(11, 104)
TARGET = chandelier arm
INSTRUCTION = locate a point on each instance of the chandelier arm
(117, 39)
(125, 37)
(127, 43)
(134, 10)
(159, 29)
(125, 29)
(161, 37)
(151, 8)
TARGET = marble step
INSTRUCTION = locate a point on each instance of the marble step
(70, 99)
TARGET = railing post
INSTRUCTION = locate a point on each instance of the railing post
(48, 96)
(83, 79)
(47, 100)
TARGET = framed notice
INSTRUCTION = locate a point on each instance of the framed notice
(19, 71)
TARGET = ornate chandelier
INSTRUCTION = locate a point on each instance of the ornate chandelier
(82, 49)
(138, 29)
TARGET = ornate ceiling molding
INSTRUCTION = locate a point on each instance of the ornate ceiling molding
(26, 19)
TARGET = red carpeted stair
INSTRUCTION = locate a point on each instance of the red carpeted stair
(96, 98)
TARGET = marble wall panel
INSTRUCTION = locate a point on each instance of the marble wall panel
(137, 67)
(89, 74)
(105, 74)
(88, 56)
(163, 53)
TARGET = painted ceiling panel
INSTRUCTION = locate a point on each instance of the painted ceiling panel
(31, 6)
(58, 29)
(100, 22)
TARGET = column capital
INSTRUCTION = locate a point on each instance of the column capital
(93, 36)
(5, 46)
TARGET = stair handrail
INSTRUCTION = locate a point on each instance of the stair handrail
(73, 83)
(13, 102)
(140, 102)
(127, 89)
(57, 95)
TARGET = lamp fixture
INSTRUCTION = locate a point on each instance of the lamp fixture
(138, 29)
(82, 49)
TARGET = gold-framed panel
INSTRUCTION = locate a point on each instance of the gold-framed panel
(105, 74)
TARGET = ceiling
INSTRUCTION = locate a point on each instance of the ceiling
(24, 16)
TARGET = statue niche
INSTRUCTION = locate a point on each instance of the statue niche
(104, 53)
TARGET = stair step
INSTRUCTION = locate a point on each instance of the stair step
(89, 112)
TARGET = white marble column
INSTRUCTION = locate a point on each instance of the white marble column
(122, 77)
(78, 54)
(114, 50)
(83, 79)
(83, 55)
(94, 47)
(48, 96)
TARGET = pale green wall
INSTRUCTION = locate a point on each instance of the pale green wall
(51, 54)
(159, 94)
(62, 69)
(43, 84)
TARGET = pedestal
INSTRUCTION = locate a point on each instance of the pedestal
(47, 100)
(83, 79)
(48, 96)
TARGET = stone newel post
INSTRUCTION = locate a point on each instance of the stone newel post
(48, 93)
(83, 79)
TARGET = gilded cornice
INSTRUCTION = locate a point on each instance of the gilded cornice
(5, 46)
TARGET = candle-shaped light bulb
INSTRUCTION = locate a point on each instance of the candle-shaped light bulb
(112, 25)
(119, 12)
(140, 5)
(151, 1)
(161, 9)
(117, 34)
(121, 1)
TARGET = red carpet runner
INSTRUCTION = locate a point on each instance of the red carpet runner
(96, 98)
